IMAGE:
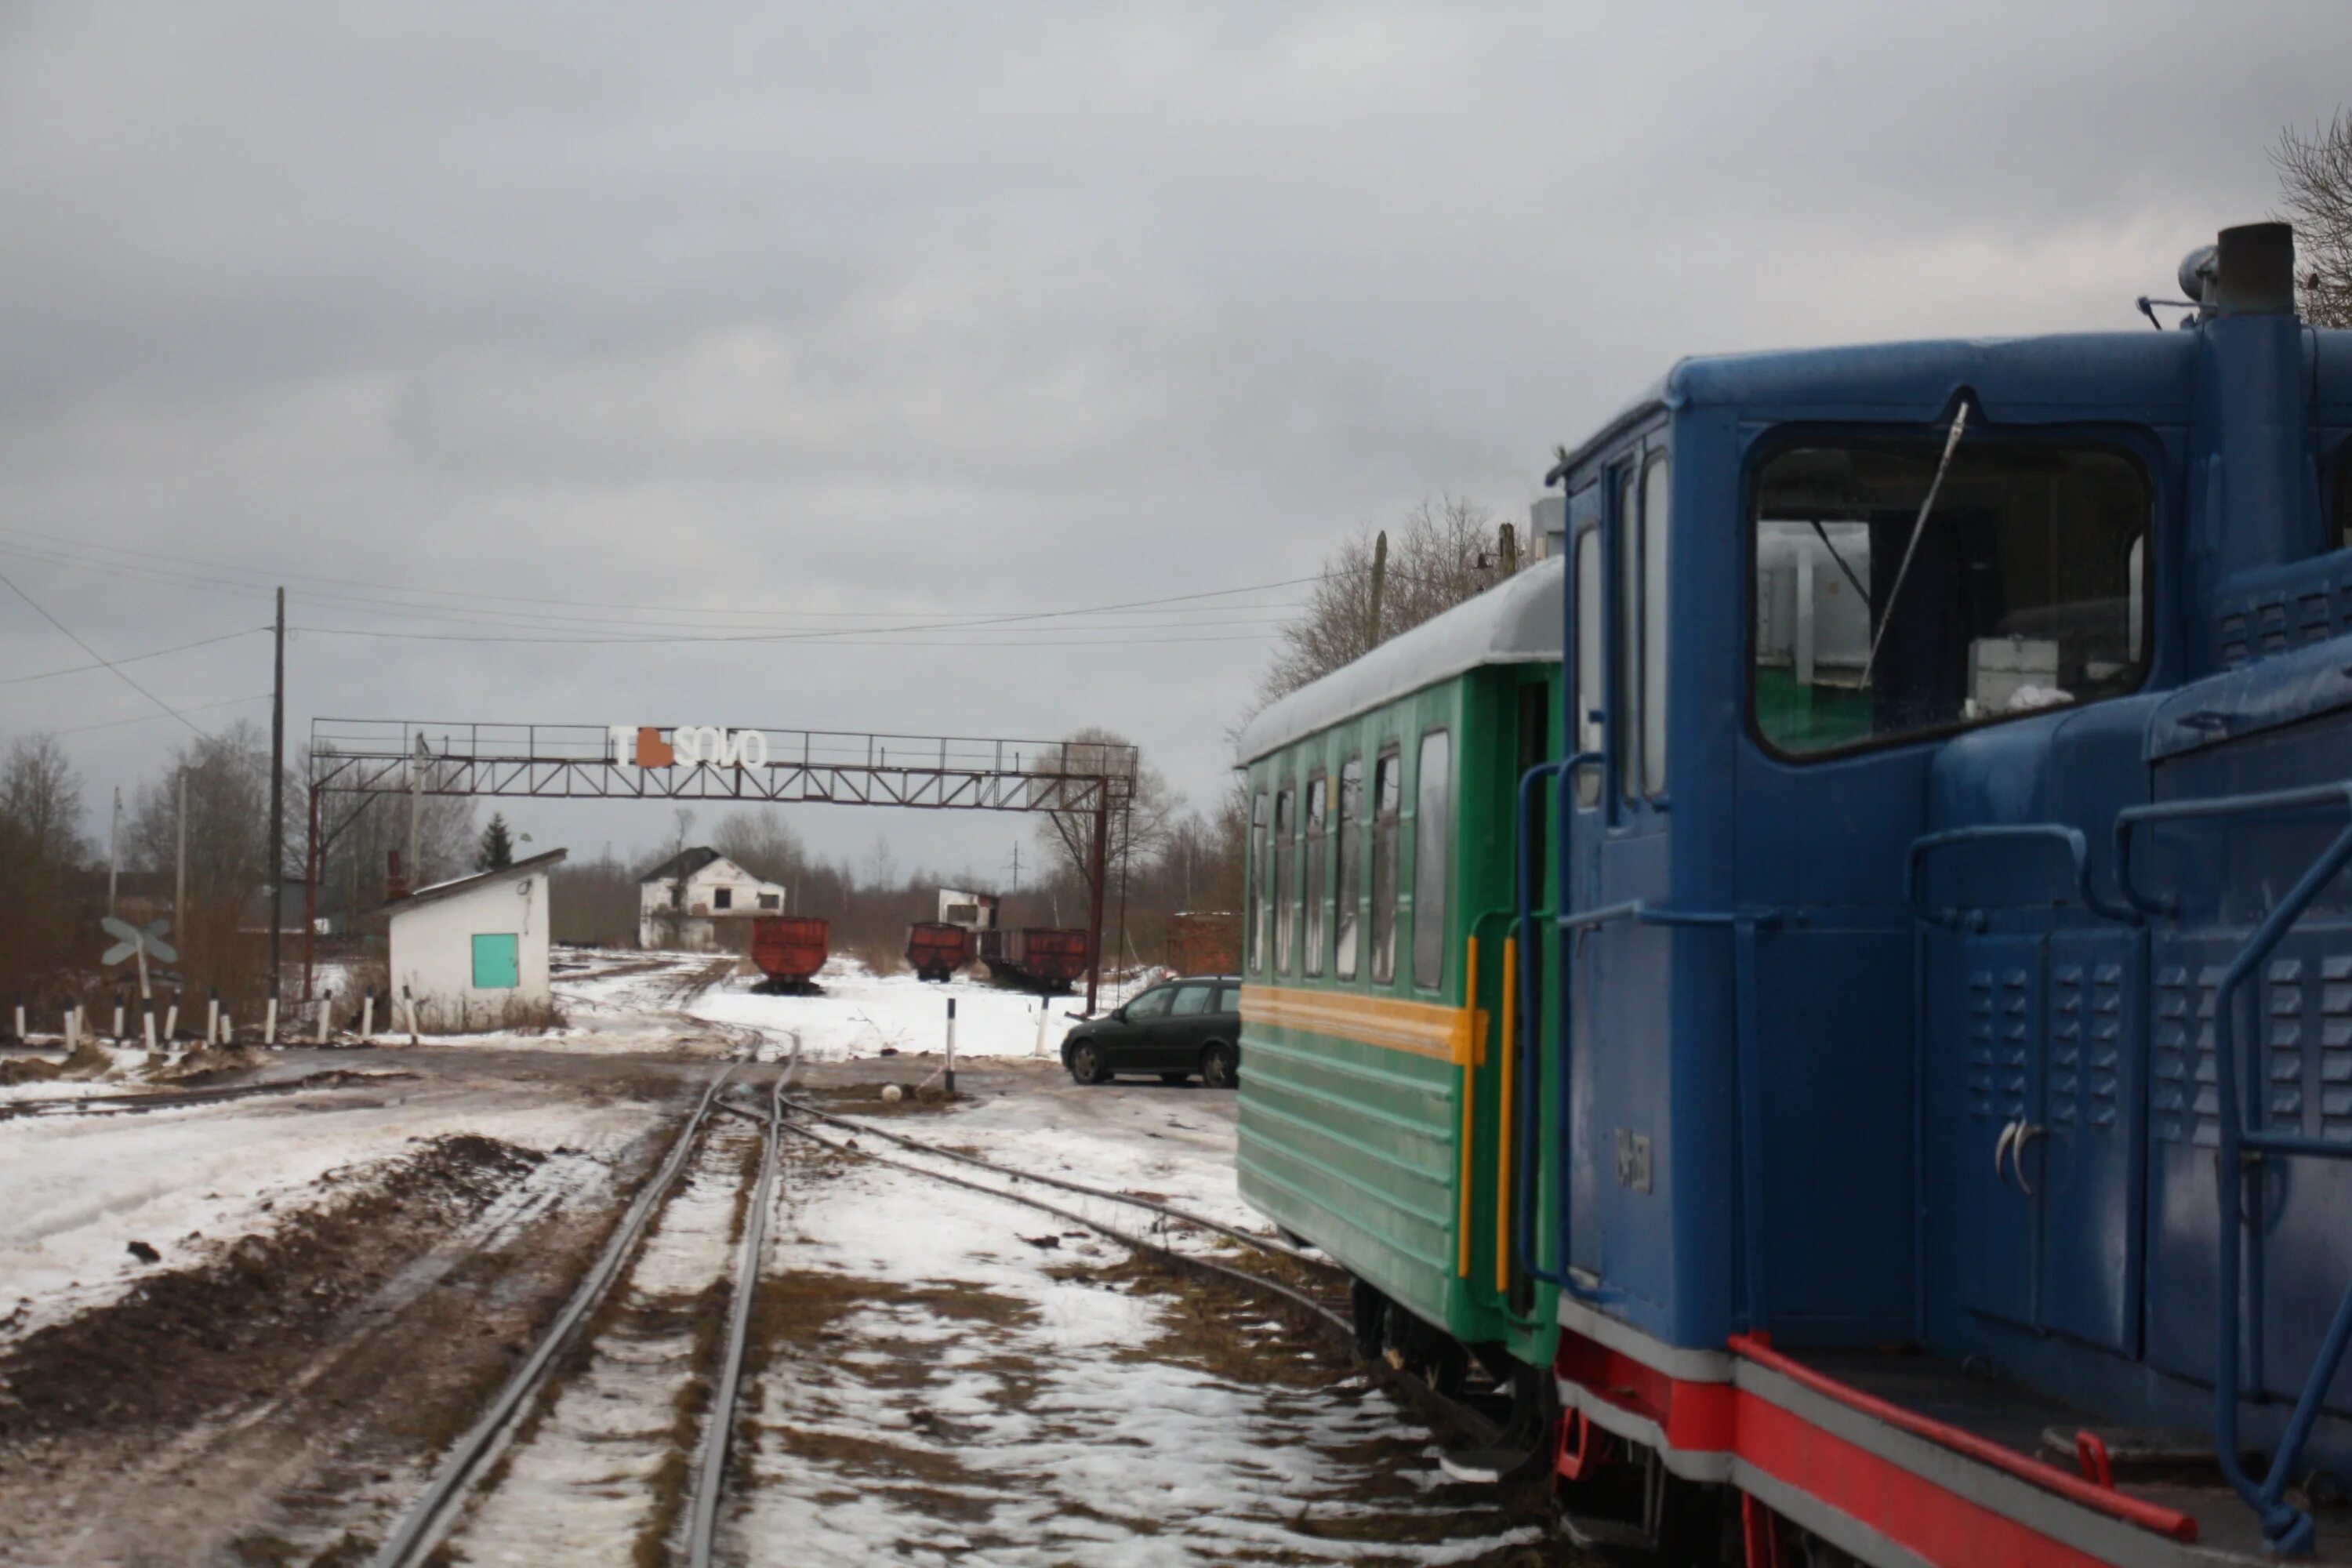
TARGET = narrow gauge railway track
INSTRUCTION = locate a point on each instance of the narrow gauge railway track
(430, 1520)
(1324, 1307)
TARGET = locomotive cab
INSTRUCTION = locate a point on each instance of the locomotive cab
(1947, 938)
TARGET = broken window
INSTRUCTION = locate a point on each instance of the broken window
(2023, 590)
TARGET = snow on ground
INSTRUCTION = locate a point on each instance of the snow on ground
(81, 1188)
(857, 1013)
(973, 1390)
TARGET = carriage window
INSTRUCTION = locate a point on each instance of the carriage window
(2024, 588)
(1629, 639)
(1589, 661)
(1653, 626)
(1433, 827)
(1316, 862)
(1262, 906)
(1388, 798)
(1286, 851)
(1351, 861)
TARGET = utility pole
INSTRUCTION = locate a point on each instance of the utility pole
(1380, 583)
(114, 856)
(277, 798)
(180, 878)
(1097, 873)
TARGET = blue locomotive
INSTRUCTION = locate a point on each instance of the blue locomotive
(1928, 1041)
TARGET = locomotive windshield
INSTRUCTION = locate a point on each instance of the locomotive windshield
(2025, 589)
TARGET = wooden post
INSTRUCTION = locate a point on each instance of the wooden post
(1379, 584)
(310, 900)
(179, 876)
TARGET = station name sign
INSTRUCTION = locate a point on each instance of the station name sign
(688, 744)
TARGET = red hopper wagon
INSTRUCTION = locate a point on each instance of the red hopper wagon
(937, 949)
(1038, 958)
(788, 949)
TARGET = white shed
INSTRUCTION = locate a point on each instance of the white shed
(473, 951)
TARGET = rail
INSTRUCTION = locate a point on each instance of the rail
(2286, 1529)
(413, 1538)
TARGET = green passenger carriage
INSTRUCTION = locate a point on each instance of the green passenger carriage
(1378, 964)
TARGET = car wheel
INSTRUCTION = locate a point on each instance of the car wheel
(1218, 1070)
(1175, 1078)
(1087, 1063)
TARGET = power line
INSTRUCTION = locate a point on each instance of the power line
(151, 718)
(100, 657)
(134, 658)
(144, 558)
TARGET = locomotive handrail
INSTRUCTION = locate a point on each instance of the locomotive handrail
(2286, 1527)
(2078, 850)
(2250, 804)
(1528, 1175)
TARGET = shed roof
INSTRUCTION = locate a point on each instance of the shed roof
(462, 884)
(1515, 621)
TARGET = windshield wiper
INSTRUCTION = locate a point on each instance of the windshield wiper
(1951, 443)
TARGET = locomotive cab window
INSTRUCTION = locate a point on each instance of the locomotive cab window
(2024, 585)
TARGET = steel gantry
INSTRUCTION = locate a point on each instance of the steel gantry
(370, 758)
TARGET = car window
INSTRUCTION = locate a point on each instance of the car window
(1151, 1004)
(1229, 999)
(1191, 1001)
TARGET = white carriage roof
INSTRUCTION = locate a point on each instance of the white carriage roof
(1517, 622)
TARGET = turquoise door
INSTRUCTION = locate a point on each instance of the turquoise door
(497, 966)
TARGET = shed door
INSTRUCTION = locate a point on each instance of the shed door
(497, 963)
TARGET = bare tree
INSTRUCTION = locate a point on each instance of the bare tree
(759, 839)
(40, 800)
(1135, 831)
(40, 848)
(2316, 172)
(1443, 550)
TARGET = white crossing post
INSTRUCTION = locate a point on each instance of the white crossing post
(171, 1018)
(118, 1015)
(408, 999)
(950, 1064)
(326, 1012)
(269, 1023)
(367, 1015)
(73, 1026)
(1043, 1009)
(212, 1018)
(20, 1023)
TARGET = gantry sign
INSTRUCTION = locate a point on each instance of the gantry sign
(368, 757)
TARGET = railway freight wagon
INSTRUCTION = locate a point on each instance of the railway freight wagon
(1040, 958)
(936, 950)
(1879, 1086)
(790, 949)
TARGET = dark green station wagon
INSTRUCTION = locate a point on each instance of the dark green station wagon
(1175, 1029)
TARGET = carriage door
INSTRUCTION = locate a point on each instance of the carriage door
(2003, 1009)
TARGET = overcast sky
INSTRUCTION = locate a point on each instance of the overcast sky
(806, 317)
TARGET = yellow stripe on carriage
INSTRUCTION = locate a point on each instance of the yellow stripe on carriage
(1418, 1028)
